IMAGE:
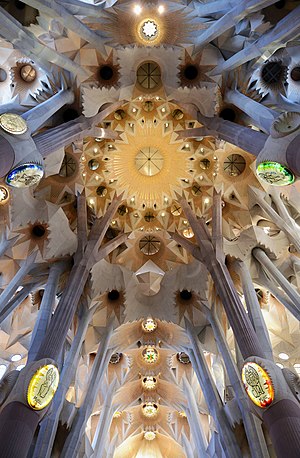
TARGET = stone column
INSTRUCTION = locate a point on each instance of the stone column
(272, 287)
(194, 421)
(101, 439)
(60, 14)
(5, 243)
(285, 30)
(282, 220)
(15, 282)
(212, 398)
(17, 300)
(253, 431)
(48, 427)
(243, 137)
(262, 116)
(205, 252)
(229, 19)
(52, 139)
(272, 270)
(36, 117)
(12, 429)
(46, 308)
(254, 310)
(26, 42)
(98, 371)
(187, 447)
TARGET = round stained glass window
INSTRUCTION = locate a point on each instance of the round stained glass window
(150, 355)
(93, 164)
(28, 73)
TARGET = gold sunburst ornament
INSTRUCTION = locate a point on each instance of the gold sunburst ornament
(153, 159)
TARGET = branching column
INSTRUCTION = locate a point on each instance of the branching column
(15, 282)
(272, 270)
(211, 255)
(253, 431)
(212, 398)
(101, 439)
(194, 421)
(98, 371)
(254, 310)
(46, 308)
(18, 422)
(48, 427)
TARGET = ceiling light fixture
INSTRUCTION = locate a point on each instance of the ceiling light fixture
(137, 9)
(283, 356)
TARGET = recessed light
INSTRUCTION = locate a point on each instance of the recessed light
(280, 365)
(137, 9)
(16, 358)
(283, 356)
(3, 368)
(19, 368)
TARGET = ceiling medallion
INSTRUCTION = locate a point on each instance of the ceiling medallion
(13, 123)
(149, 161)
(149, 325)
(42, 387)
(274, 173)
(150, 409)
(148, 30)
(149, 435)
(150, 355)
(149, 382)
(258, 384)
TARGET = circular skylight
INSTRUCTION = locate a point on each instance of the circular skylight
(283, 356)
(15, 358)
(2, 370)
(149, 30)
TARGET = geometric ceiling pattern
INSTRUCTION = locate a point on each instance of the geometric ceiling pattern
(149, 229)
